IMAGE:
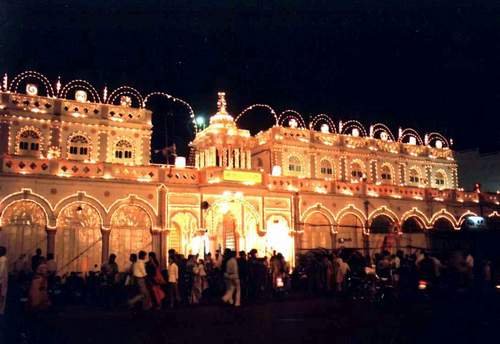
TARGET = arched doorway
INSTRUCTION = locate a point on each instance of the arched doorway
(317, 232)
(382, 235)
(130, 233)
(278, 237)
(229, 232)
(183, 233)
(413, 235)
(443, 237)
(350, 232)
(78, 238)
(23, 231)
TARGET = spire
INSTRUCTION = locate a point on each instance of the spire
(221, 103)
(222, 117)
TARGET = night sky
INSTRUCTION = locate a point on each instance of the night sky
(429, 65)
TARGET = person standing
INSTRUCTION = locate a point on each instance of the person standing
(38, 297)
(155, 280)
(36, 259)
(199, 282)
(4, 279)
(109, 272)
(139, 274)
(173, 282)
(232, 280)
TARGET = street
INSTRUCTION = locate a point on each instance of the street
(317, 320)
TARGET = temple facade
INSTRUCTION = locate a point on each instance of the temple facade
(76, 180)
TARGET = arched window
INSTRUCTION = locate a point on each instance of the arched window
(79, 147)
(386, 174)
(439, 179)
(356, 171)
(123, 150)
(414, 177)
(29, 141)
(325, 168)
(294, 164)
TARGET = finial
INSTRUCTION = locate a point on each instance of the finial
(426, 139)
(5, 82)
(105, 94)
(371, 130)
(400, 132)
(58, 85)
(221, 103)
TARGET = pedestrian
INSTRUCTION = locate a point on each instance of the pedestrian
(173, 282)
(155, 280)
(38, 297)
(139, 275)
(4, 279)
(109, 273)
(36, 259)
(199, 282)
(232, 279)
(341, 268)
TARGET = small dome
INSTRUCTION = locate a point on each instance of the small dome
(222, 116)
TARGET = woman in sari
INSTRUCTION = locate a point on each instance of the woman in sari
(155, 279)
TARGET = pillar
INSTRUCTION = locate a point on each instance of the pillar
(156, 241)
(230, 158)
(237, 158)
(248, 159)
(51, 240)
(105, 244)
(103, 146)
(428, 172)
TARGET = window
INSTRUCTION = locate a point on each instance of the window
(29, 141)
(123, 150)
(414, 177)
(356, 171)
(439, 179)
(79, 147)
(294, 164)
(386, 174)
(326, 168)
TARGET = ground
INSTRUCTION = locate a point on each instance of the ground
(295, 320)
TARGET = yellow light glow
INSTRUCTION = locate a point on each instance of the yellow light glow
(242, 176)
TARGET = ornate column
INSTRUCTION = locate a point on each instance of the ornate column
(428, 175)
(103, 146)
(156, 241)
(105, 243)
(237, 158)
(230, 158)
(248, 159)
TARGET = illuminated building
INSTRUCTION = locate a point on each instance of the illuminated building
(76, 180)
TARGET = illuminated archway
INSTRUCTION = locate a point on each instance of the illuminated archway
(184, 228)
(382, 233)
(413, 234)
(350, 228)
(78, 238)
(317, 232)
(130, 233)
(23, 230)
(278, 237)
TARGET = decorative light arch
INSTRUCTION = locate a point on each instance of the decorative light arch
(126, 91)
(416, 213)
(325, 119)
(28, 195)
(82, 197)
(347, 127)
(133, 200)
(383, 210)
(291, 114)
(78, 83)
(409, 132)
(14, 84)
(251, 107)
(175, 100)
(351, 209)
(319, 208)
(464, 216)
(248, 207)
(431, 139)
(379, 128)
(445, 214)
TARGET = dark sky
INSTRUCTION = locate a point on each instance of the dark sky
(433, 65)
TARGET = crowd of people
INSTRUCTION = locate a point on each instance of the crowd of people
(234, 278)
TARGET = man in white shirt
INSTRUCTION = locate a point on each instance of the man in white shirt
(232, 278)
(173, 279)
(139, 274)
(4, 279)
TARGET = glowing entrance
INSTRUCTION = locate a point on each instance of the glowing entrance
(278, 238)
